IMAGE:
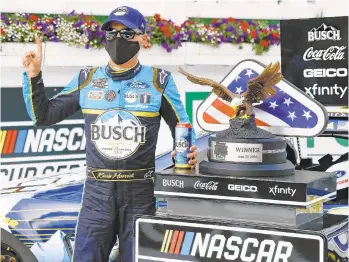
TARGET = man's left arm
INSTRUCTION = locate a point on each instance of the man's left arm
(172, 109)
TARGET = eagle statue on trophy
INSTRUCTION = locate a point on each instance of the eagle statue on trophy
(258, 89)
(243, 124)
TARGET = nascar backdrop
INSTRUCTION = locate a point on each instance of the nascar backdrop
(29, 151)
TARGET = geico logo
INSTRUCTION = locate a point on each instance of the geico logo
(325, 72)
(49, 140)
(236, 248)
(245, 188)
(131, 133)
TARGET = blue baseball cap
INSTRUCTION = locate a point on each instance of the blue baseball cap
(127, 16)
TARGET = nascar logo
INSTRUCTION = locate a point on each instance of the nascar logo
(41, 140)
(226, 248)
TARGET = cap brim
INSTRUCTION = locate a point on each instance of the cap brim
(124, 22)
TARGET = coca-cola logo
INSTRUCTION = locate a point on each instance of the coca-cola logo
(331, 53)
(206, 186)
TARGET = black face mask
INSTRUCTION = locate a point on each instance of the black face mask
(121, 50)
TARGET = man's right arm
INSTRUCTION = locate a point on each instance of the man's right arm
(44, 111)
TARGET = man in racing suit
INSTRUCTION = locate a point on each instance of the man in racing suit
(122, 104)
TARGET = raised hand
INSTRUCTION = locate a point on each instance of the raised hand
(32, 60)
(193, 161)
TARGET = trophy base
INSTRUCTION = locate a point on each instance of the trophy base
(247, 170)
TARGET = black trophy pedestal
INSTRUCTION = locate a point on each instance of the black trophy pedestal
(209, 217)
(255, 170)
(255, 157)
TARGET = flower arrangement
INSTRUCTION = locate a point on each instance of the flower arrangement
(82, 30)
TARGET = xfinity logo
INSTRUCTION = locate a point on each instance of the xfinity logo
(244, 188)
(316, 90)
(285, 191)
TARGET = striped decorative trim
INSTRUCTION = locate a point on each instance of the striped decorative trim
(89, 78)
(155, 79)
(119, 170)
(136, 113)
(31, 98)
(66, 93)
(176, 242)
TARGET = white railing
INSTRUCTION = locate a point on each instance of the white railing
(180, 10)
(59, 54)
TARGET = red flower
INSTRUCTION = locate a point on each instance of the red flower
(253, 33)
(177, 28)
(264, 43)
(265, 31)
(157, 17)
(275, 35)
(230, 20)
(2, 32)
(165, 30)
(191, 22)
(34, 17)
(244, 25)
(213, 21)
(35, 27)
(88, 23)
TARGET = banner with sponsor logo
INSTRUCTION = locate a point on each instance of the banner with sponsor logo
(173, 239)
(28, 151)
(293, 190)
(314, 56)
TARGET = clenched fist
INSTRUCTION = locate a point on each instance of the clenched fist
(32, 60)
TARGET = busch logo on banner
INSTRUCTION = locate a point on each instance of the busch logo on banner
(317, 62)
(324, 32)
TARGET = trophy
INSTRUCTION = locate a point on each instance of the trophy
(244, 149)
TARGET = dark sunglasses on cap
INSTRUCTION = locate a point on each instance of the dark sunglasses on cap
(125, 33)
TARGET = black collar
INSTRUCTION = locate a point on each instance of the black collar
(116, 76)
